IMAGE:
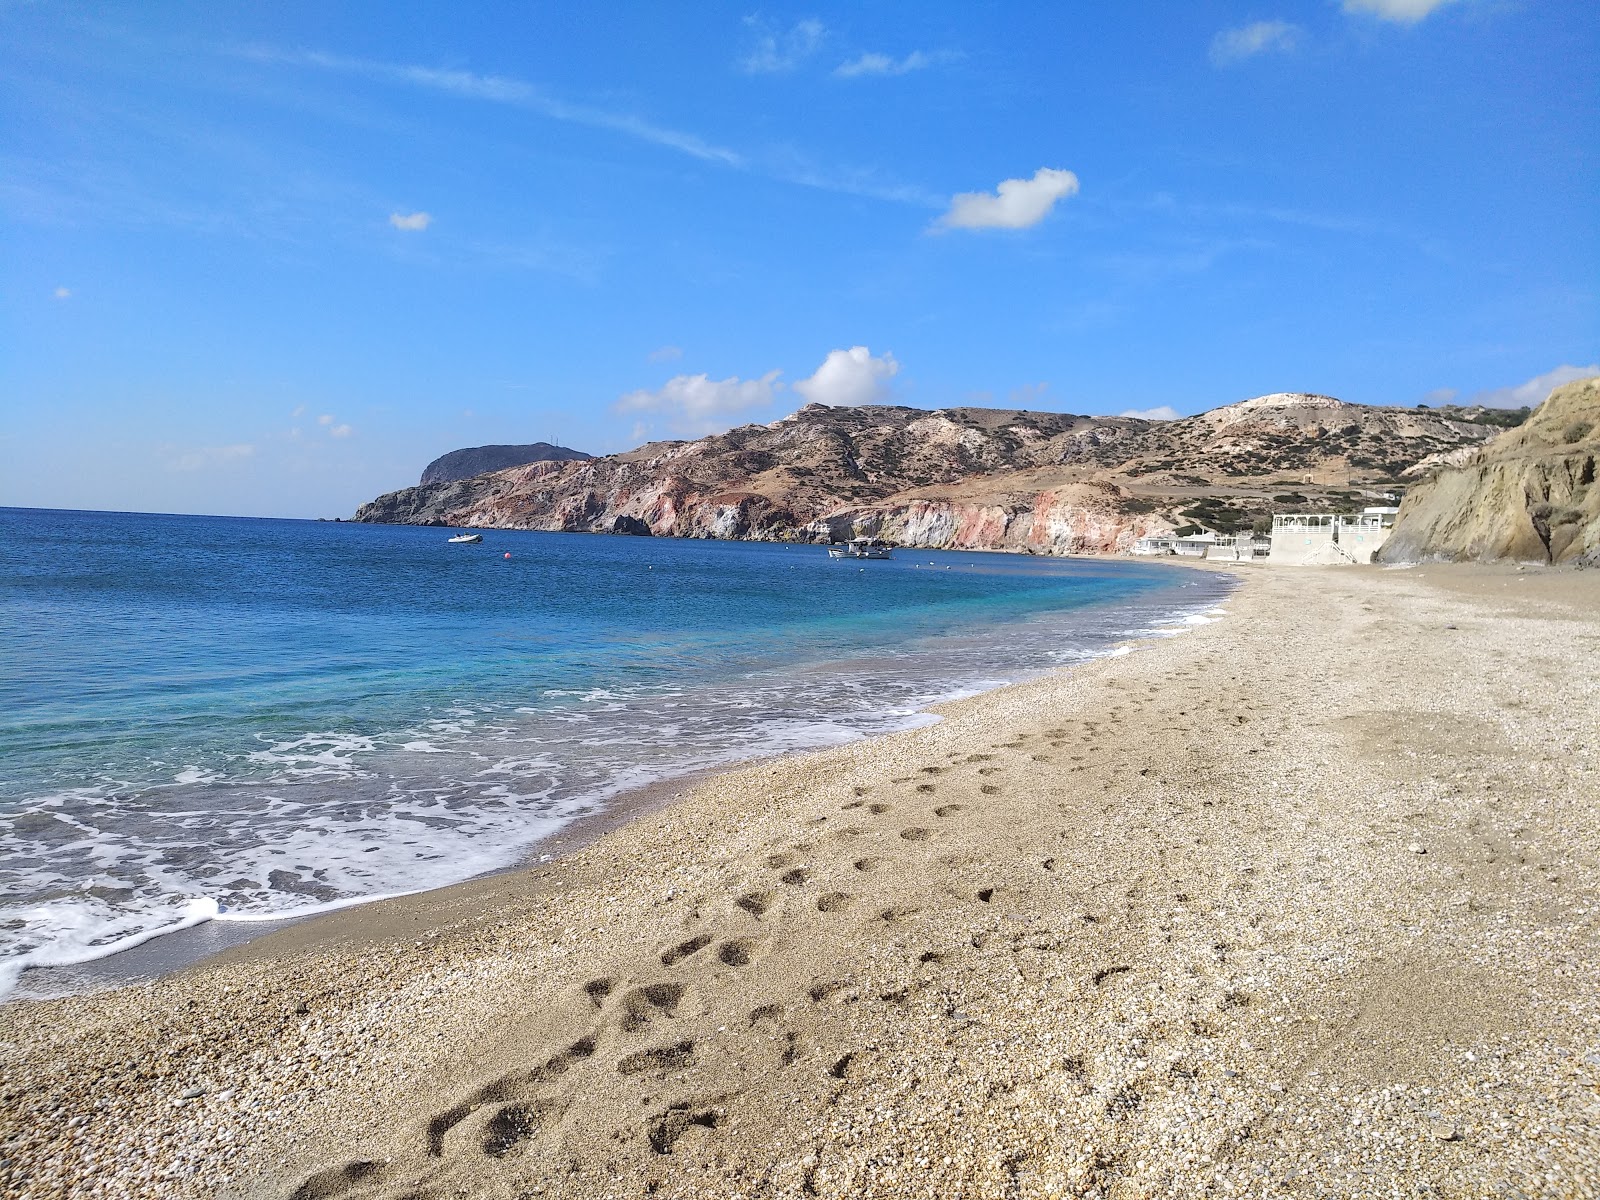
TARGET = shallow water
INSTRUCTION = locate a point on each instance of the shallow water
(209, 718)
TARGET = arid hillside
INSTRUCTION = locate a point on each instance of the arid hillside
(967, 477)
(1529, 495)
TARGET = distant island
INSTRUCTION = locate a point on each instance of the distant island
(478, 460)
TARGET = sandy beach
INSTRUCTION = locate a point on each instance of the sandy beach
(1302, 902)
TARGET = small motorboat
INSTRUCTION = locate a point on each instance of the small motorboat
(462, 538)
(861, 547)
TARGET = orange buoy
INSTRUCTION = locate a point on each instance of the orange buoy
(508, 554)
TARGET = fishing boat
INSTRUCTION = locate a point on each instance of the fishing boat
(467, 537)
(861, 547)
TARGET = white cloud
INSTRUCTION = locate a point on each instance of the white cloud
(882, 64)
(62, 293)
(849, 377)
(1406, 12)
(411, 222)
(325, 419)
(1016, 203)
(206, 456)
(1440, 396)
(665, 354)
(777, 52)
(299, 411)
(698, 403)
(1533, 392)
(341, 431)
(1261, 37)
(501, 90)
(1162, 412)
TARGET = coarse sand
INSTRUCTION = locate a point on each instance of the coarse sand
(1302, 902)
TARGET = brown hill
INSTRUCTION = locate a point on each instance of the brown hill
(963, 477)
(1528, 495)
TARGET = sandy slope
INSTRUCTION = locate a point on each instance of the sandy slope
(1303, 902)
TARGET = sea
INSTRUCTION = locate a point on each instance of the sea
(216, 719)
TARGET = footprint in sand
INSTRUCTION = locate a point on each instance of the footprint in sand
(516, 1087)
(833, 901)
(755, 903)
(665, 1128)
(926, 788)
(598, 989)
(795, 877)
(736, 952)
(867, 864)
(877, 809)
(513, 1125)
(659, 1059)
(642, 1005)
(325, 1185)
(945, 810)
(915, 834)
(685, 948)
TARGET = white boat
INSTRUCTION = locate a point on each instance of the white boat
(861, 547)
(467, 537)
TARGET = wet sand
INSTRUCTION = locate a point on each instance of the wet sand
(1302, 902)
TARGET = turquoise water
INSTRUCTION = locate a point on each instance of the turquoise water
(236, 719)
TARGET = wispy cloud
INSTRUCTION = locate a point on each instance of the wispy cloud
(882, 64)
(665, 354)
(411, 222)
(1533, 392)
(1261, 37)
(1162, 412)
(62, 293)
(775, 52)
(698, 404)
(1015, 204)
(1404, 12)
(502, 90)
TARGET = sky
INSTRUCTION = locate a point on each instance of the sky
(272, 259)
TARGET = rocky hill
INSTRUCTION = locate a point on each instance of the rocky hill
(1529, 495)
(964, 477)
(477, 460)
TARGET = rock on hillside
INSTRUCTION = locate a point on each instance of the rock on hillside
(957, 477)
(1529, 495)
(476, 460)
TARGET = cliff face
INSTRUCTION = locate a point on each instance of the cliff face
(476, 460)
(1529, 495)
(959, 477)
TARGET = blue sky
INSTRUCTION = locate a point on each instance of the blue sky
(271, 259)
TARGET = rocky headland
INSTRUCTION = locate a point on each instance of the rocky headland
(967, 478)
(1529, 495)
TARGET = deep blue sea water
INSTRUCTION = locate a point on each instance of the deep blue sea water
(240, 719)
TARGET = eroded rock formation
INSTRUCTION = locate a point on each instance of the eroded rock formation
(1530, 495)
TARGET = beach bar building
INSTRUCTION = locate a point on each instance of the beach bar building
(1329, 539)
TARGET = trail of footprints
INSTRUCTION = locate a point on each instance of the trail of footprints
(502, 1117)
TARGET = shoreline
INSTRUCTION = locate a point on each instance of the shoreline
(189, 947)
(1295, 903)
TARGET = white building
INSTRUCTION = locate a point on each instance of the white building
(1215, 547)
(1311, 539)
